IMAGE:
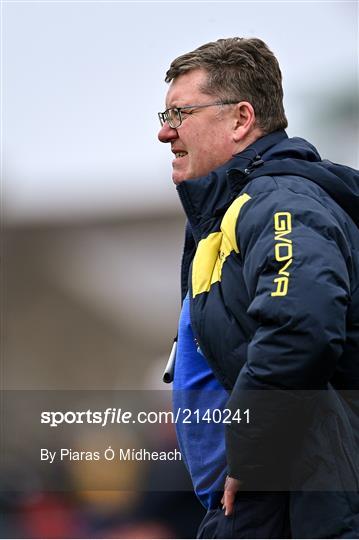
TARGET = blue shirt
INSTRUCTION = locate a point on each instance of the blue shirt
(202, 443)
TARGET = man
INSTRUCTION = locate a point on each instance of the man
(270, 315)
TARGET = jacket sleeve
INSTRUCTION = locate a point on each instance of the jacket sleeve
(295, 264)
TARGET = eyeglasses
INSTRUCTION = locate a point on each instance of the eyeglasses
(174, 118)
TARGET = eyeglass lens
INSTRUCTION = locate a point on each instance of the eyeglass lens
(174, 117)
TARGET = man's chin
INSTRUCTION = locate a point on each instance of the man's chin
(176, 181)
(178, 178)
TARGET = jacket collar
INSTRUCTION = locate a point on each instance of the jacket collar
(206, 198)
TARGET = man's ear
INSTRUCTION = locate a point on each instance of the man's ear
(245, 119)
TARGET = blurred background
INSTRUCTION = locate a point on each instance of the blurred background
(91, 223)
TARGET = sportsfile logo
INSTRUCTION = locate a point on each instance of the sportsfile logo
(283, 251)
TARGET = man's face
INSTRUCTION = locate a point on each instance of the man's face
(204, 139)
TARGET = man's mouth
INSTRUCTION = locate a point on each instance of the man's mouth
(180, 154)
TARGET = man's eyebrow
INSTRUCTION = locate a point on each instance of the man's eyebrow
(176, 105)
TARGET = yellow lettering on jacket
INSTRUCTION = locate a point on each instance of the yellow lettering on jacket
(213, 250)
(283, 251)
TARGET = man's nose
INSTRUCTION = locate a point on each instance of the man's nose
(167, 134)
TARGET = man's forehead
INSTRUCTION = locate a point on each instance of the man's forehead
(186, 86)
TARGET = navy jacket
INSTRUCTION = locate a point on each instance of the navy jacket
(271, 262)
